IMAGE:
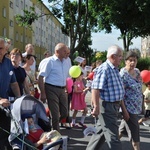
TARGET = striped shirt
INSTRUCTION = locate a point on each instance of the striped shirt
(107, 79)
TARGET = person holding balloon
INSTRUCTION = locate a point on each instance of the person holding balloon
(133, 97)
(78, 101)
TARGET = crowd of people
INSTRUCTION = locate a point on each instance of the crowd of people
(111, 90)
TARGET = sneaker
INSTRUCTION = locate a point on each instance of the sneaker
(74, 125)
(82, 125)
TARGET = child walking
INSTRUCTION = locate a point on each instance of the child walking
(78, 101)
(146, 104)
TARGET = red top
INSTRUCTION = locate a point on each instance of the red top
(35, 137)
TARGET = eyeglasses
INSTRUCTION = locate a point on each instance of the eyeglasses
(15, 54)
(120, 56)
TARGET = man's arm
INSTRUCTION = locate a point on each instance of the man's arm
(95, 102)
(42, 88)
(15, 89)
(124, 111)
(4, 102)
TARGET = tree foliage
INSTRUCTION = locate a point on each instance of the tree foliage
(131, 17)
(77, 18)
(29, 17)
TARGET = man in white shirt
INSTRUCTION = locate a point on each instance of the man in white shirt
(54, 73)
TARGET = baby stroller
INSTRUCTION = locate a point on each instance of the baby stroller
(29, 105)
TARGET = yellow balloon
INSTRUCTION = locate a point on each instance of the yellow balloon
(75, 71)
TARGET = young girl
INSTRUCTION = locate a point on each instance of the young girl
(146, 104)
(78, 101)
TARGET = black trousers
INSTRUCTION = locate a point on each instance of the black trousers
(4, 131)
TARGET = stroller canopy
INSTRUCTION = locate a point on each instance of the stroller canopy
(25, 105)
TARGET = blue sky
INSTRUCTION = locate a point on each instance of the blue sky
(101, 41)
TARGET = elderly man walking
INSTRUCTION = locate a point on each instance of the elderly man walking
(7, 79)
(107, 96)
(55, 72)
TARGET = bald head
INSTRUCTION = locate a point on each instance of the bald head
(61, 50)
(29, 49)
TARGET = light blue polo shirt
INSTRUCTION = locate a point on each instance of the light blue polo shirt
(7, 76)
(55, 71)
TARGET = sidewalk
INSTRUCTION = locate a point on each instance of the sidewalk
(79, 142)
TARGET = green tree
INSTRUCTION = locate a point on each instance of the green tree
(77, 18)
(131, 17)
(77, 25)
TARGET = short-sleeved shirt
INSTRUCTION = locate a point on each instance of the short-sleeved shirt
(20, 77)
(108, 80)
(7, 76)
(42, 63)
(133, 91)
(55, 71)
(147, 97)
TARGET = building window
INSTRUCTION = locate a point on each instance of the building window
(17, 3)
(4, 32)
(26, 39)
(22, 6)
(11, 4)
(26, 7)
(4, 12)
(21, 39)
(17, 36)
(37, 30)
(11, 23)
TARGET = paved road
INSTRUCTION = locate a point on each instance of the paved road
(79, 142)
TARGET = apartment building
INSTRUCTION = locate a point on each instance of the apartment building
(46, 30)
(145, 47)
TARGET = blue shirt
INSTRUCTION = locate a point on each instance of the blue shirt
(55, 71)
(7, 76)
(108, 80)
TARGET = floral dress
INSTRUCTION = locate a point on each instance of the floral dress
(133, 91)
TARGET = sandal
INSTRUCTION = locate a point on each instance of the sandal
(74, 125)
(82, 125)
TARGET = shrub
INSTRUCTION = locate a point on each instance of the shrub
(143, 64)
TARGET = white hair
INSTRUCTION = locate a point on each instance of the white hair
(1, 39)
(113, 50)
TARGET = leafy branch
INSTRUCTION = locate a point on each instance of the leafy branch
(28, 18)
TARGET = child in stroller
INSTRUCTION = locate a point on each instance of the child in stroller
(33, 107)
(38, 136)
